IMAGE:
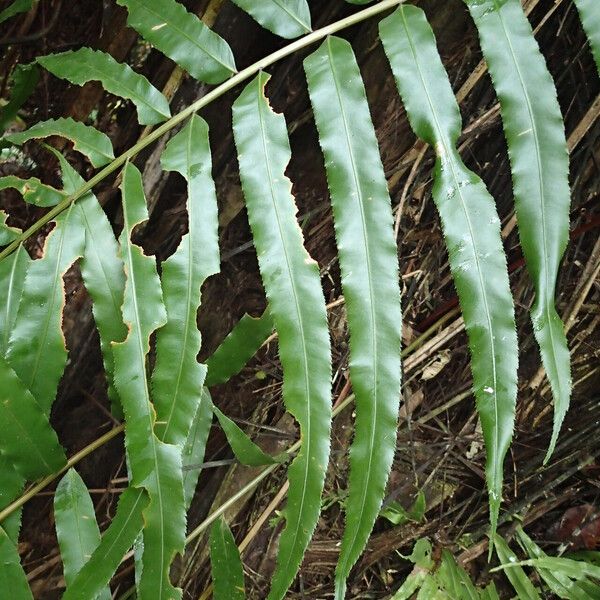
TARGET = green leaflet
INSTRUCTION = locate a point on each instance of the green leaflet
(36, 349)
(240, 345)
(517, 577)
(102, 272)
(183, 37)
(558, 582)
(94, 576)
(76, 528)
(7, 233)
(33, 190)
(286, 18)
(539, 159)
(590, 19)
(245, 450)
(178, 377)
(226, 565)
(85, 64)
(471, 230)
(87, 140)
(12, 576)
(18, 6)
(369, 265)
(11, 486)
(153, 465)
(24, 78)
(291, 280)
(195, 446)
(454, 580)
(26, 436)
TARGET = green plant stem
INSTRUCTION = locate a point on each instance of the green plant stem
(42, 483)
(217, 92)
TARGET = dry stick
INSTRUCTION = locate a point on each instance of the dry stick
(217, 92)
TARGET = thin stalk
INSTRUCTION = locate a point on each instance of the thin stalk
(238, 78)
(40, 485)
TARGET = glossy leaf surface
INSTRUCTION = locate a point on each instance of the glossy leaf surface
(102, 272)
(227, 571)
(85, 64)
(471, 231)
(12, 576)
(285, 18)
(291, 280)
(76, 528)
(537, 149)
(183, 37)
(178, 376)
(89, 141)
(26, 436)
(368, 261)
(126, 525)
(36, 350)
(154, 465)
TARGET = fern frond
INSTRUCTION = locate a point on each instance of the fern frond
(183, 37)
(12, 576)
(33, 190)
(178, 377)
(291, 280)
(76, 527)
(226, 565)
(85, 64)
(285, 18)
(369, 265)
(471, 231)
(102, 273)
(115, 542)
(538, 154)
(86, 139)
(590, 19)
(36, 349)
(240, 345)
(154, 465)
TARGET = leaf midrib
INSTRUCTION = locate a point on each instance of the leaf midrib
(307, 439)
(441, 139)
(183, 33)
(371, 298)
(546, 295)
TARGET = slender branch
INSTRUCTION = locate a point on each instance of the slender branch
(219, 91)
